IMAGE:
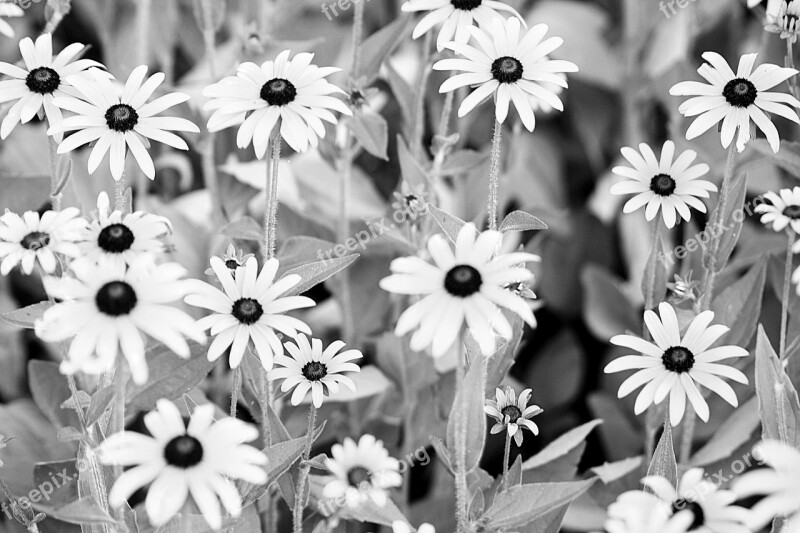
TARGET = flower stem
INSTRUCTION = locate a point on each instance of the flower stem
(299, 497)
(461, 444)
(209, 141)
(787, 284)
(494, 175)
(271, 196)
(237, 385)
(119, 194)
(419, 104)
(689, 423)
(507, 459)
(651, 417)
(790, 63)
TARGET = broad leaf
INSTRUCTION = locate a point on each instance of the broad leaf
(664, 463)
(27, 316)
(521, 221)
(738, 306)
(561, 446)
(372, 132)
(377, 47)
(522, 504)
(312, 274)
(468, 407)
(246, 229)
(50, 390)
(606, 310)
(777, 397)
(450, 224)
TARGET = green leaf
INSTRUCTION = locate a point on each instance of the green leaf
(246, 229)
(468, 405)
(58, 480)
(734, 432)
(523, 504)
(731, 222)
(372, 132)
(410, 168)
(561, 446)
(606, 310)
(49, 390)
(27, 316)
(501, 362)
(100, 402)
(83, 511)
(654, 280)
(312, 274)
(664, 463)
(738, 306)
(450, 224)
(777, 398)
(522, 221)
(281, 456)
(788, 157)
(377, 47)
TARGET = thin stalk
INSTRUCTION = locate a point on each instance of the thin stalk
(447, 113)
(55, 186)
(507, 459)
(419, 104)
(461, 446)
(787, 284)
(494, 175)
(651, 417)
(790, 63)
(209, 144)
(299, 499)
(119, 194)
(237, 385)
(271, 200)
(689, 423)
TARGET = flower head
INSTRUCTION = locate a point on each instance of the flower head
(783, 210)
(684, 287)
(361, 471)
(30, 237)
(467, 285)
(783, 19)
(310, 368)
(9, 9)
(292, 91)
(398, 526)
(510, 68)
(736, 98)
(636, 511)
(512, 414)
(104, 307)
(666, 184)
(232, 258)
(411, 201)
(120, 121)
(674, 366)
(199, 460)
(249, 308)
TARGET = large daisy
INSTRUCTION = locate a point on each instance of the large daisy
(120, 120)
(736, 98)
(782, 211)
(467, 285)
(199, 460)
(510, 67)
(30, 237)
(675, 366)
(636, 511)
(251, 307)
(512, 414)
(43, 79)
(668, 184)
(292, 91)
(105, 308)
(457, 17)
(8, 9)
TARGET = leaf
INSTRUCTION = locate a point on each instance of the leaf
(606, 310)
(664, 463)
(731, 222)
(739, 305)
(522, 504)
(370, 512)
(49, 390)
(788, 157)
(281, 456)
(27, 316)
(734, 432)
(312, 274)
(562, 445)
(654, 280)
(522, 221)
(209, 14)
(450, 224)
(501, 362)
(410, 168)
(777, 398)
(377, 47)
(372, 132)
(246, 229)
(57, 481)
(83, 511)
(100, 401)
(468, 406)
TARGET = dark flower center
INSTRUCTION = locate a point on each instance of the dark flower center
(792, 211)
(247, 310)
(466, 5)
(278, 92)
(682, 504)
(507, 69)
(35, 240)
(463, 281)
(115, 238)
(116, 298)
(740, 92)
(315, 371)
(232, 264)
(678, 359)
(184, 451)
(43, 80)
(512, 412)
(121, 117)
(662, 184)
(358, 475)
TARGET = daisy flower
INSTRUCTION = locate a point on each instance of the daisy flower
(784, 20)
(26, 238)
(710, 507)
(467, 285)
(294, 91)
(736, 98)
(232, 258)
(510, 68)
(457, 17)
(783, 210)
(669, 184)
(636, 511)
(512, 414)
(120, 120)
(361, 471)
(412, 201)
(199, 460)
(311, 369)
(122, 238)
(43, 79)
(9, 9)
(105, 307)
(398, 526)
(780, 483)
(249, 308)
(675, 365)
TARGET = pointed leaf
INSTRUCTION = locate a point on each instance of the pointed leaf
(49, 390)
(372, 132)
(664, 463)
(468, 406)
(246, 229)
(521, 221)
(312, 274)
(450, 224)
(377, 47)
(27, 316)
(778, 401)
(522, 504)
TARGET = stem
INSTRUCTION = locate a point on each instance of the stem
(419, 105)
(271, 197)
(506, 459)
(358, 36)
(299, 499)
(461, 445)
(55, 186)
(651, 418)
(209, 145)
(787, 284)
(494, 175)
(689, 422)
(790, 63)
(119, 194)
(237, 385)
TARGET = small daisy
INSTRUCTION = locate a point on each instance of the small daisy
(684, 288)
(668, 184)
(43, 79)
(457, 15)
(510, 68)
(398, 526)
(784, 20)
(104, 307)
(250, 309)
(512, 414)
(780, 483)
(9, 9)
(311, 369)
(232, 258)
(467, 285)
(199, 460)
(120, 120)
(411, 201)
(361, 471)
(709, 506)
(736, 98)
(636, 511)
(123, 238)
(675, 365)
(26, 238)
(294, 91)
(782, 211)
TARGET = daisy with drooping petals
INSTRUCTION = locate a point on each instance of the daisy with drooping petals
(782, 18)
(292, 91)
(232, 258)
(119, 122)
(666, 184)
(636, 511)
(780, 483)
(467, 285)
(674, 366)
(9, 9)
(26, 238)
(122, 238)
(512, 414)
(510, 68)
(43, 79)
(709, 506)
(736, 98)
(199, 460)
(106, 308)
(783, 210)
(361, 471)
(310, 368)
(398, 526)
(456, 16)
(251, 308)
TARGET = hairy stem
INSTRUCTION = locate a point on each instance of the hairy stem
(461, 445)
(494, 175)
(119, 194)
(507, 459)
(299, 498)
(651, 417)
(787, 284)
(419, 103)
(271, 197)
(237, 385)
